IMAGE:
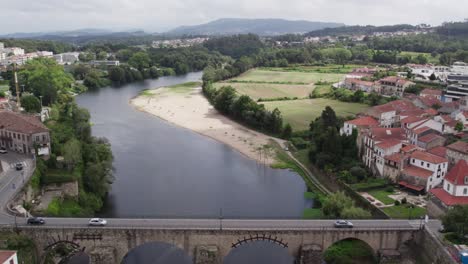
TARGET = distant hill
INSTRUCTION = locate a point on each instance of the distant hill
(263, 27)
(355, 30)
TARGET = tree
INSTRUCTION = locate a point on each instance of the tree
(355, 213)
(432, 77)
(72, 152)
(459, 126)
(140, 60)
(287, 131)
(329, 117)
(335, 203)
(224, 99)
(456, 220)
(31, 104)
(117, 75)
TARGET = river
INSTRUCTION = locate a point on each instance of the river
(164, 171)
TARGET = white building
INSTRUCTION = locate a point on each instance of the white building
(383, 149)
(8, 257)
(67, 58)
(2, 46)
(425, 169)
(455, 188)
(358, 123)
(14, 50)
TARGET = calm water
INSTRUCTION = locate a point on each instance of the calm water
(165, 171)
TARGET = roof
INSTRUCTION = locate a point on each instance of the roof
(396, 157)
(364, 121)
(379, 109)
(403, 105)
(430, 137)
(458, 173)
(429, 101)
(358, 82)
(26, 124)
(411, 186)
(439, 151)
(6, 254)
(409, 148)
(447, 198)
(431, 111)
(381, 133)
(395, 80)
(388, 143)
(432, 92)
(417, 172)
(421, 130)
(412, 119)
(425, 156)
(459, 146)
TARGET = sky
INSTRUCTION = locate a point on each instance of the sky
(161, 15)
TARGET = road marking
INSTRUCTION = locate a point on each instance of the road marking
(24, 163)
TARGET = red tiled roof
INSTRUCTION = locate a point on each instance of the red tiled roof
(396, 80)
(458, 173)
(379, 109)
(388, 143)
(449, 199)
(432, 92)
(421, 130)
(429, 101)
(425, 156)
(430, 137)
(358, 82)
(408, 148)
(6, 254)
(396, 157)
(459, 146)
(431, 111)
(439, 151)
(417, 172)
(364, 121)
(403, 105)
(21, 123)
(411, 186)
(381, 133)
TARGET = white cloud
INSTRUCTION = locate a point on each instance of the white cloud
(158, 15)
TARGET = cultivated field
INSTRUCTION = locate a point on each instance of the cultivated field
(268, 90)
(287, 77)
(299, 113)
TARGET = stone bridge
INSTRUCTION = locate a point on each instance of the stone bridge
(111, 244)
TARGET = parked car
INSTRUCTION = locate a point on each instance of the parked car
(19, 166)
(97, 222)
(36, 221)
(343, 224)
(3, 150)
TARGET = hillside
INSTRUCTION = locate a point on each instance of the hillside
(354, 30)
(263, 27)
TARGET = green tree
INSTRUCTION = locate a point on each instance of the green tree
(140, 60)
(287, 131)
(355, 213)
(456, 220)
(459, 126)
(329, 117)
(72, 152)
(225, 98)
(117, 75)
(335, 204)
(31, 104)
(432, 77)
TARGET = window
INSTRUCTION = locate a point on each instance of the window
(413, 161)
(448, 187)
(422, 163)
(428, 165)
(465, 191)
(466, 179)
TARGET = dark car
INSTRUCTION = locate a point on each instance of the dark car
(343, 224)
(36, 221)
(19, 166)
(3, 150)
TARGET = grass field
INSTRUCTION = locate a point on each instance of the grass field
(434, 60)
(330, 68)
(382, 195)
(268, 91)
(287, 77)
(403, 211)
(299, 113)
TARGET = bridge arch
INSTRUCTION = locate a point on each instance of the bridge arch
(253, 251)
(352, 248)
(156, 253)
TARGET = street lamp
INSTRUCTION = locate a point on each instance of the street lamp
(40, 96)
(220, 219)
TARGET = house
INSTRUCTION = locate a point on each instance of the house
(424, 171)
(453, 192)
(394, 86)
(379, 142)
(418, 132)
(439, 151)
(393, 165)
(431, 93)
(427, 102)
(385, 114)
(457, 151)
(359, 85)
(24, 133)
(358, 123)
(8, 257)
(430, 141)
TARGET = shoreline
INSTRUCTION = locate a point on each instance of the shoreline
(190, 109)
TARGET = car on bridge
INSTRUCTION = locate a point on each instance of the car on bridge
(343, 224)
(36, 221)
(97, 222)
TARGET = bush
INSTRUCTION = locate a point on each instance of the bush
(389, 189)
(300, 143)
(397, 203)
(404, 201)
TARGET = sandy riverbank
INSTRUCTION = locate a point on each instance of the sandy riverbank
(190, 109)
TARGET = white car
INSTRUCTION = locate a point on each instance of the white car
(3, 151)
(97, 222)
(343, 224)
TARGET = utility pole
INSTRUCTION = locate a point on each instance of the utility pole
(18, 103)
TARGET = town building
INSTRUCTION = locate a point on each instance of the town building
(104, 63)
(458, 90)
(24, 134)
(424, 171)
(67, 58)
(457, 151)
(431, 92)
(8, 257)
(385, 114)
(359, 85)
(453, 192)
(394, 86)
(431, 141)
(358, 123)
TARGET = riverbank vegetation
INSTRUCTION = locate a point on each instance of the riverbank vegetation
(25, 247)
(350, 251)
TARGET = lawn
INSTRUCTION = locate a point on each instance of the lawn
(330, 68)
(382, 195)
(312, 213)
(299, 113)
(287, 77)
(269, 91)
(403, 211)
(430, 59)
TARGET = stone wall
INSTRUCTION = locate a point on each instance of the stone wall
(435, 208)
(431, 249)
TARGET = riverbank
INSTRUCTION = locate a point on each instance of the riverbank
(185, 106)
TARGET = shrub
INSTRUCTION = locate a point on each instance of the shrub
(397, 203)
(389, 189)
(404, 201)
